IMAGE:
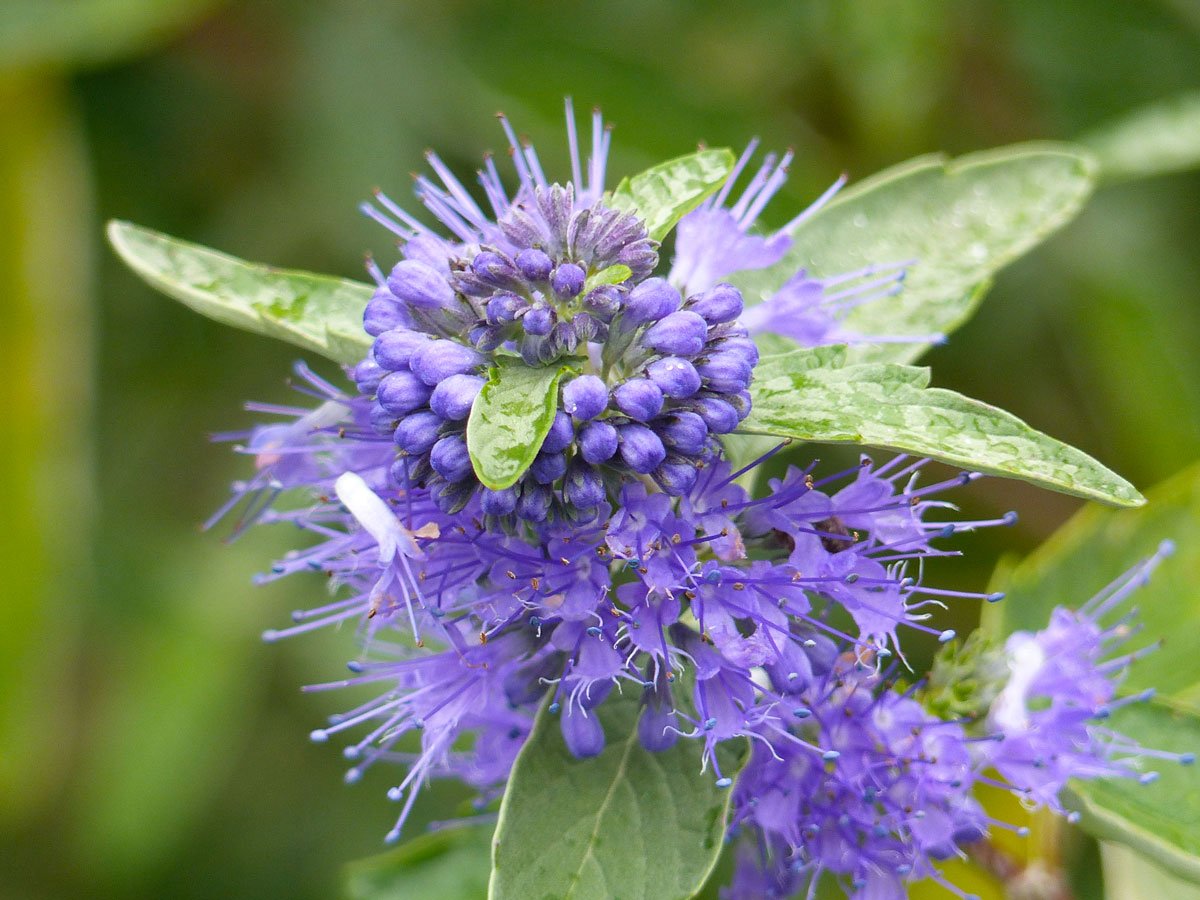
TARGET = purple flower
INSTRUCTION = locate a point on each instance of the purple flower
(812, 311)
(682, 333)
(639, 398)
(881, 809)
(414, 283)
(630, 553)
(453, 396)
(515, 280)
(640, 448)
(675, 377)
(713, 241)
(466, 629)
(1050, 715)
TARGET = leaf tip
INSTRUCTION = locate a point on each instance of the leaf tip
(1133, 499)
(116, 230)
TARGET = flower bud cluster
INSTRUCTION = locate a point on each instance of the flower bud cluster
(655, 376)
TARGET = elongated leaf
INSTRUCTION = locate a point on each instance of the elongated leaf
(812, 395)
(665, 193)
(449, 865)
(510, 418)
(627, 823)
(957, 221)
(1098, 545)
(317, 312)
(1163, 137)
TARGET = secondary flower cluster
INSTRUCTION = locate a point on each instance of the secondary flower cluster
(900, 796)
(642, 561)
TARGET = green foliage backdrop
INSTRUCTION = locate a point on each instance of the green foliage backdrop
(149, 745)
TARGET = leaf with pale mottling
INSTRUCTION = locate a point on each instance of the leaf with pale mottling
(510, 419)
(812, 395)
(610, 275)
(316, 312)
(957, 221)
(663, 194)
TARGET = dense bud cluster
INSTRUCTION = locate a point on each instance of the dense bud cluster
(654, 377)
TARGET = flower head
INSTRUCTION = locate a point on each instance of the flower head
(880, 810)
(630, 555)
(1051, 714)
(557, 276)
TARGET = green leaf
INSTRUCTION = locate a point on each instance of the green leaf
(1159, 820)
(1163, 137)
(612, 275)
(812, 395)
(1130, 876)
(664, 194)
(509, 420)
(450, 865)
(958, 220)
(627, 823)
(317, 312)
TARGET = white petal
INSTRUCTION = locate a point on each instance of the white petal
(374, 515)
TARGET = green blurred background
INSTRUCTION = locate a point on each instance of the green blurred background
(150, 746)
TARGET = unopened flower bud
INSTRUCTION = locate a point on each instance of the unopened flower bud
(586, 396)
(568, 280)
(650, 301)
(402, 392)
(453, 397)
(534, 264)
(438, 360)
(418, 432)
(720, 303)
(450, 459)
(640, 448)
(420, 285)
(598, 441)
(681, 333)
(639, 398)
(677, 378)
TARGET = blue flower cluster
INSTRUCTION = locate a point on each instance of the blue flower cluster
(642, 556)
(658, 375)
